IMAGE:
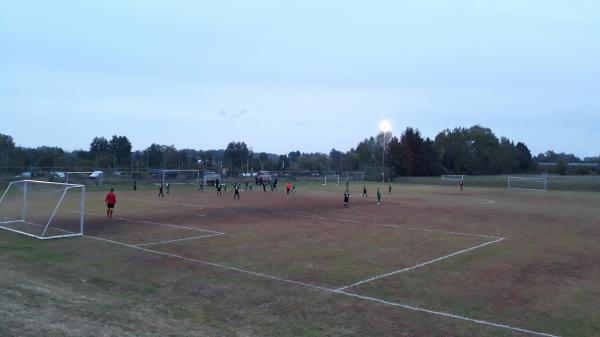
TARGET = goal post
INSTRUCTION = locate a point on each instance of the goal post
(331, 179)
(180, 177)
(43, 210)
(527, 183)
(354, 176)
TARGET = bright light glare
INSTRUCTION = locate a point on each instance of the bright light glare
(385, 126)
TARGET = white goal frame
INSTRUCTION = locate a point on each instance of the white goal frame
(23, 218)
(353, 173)
(335, 177)
(512, 178)
(164, 176)
(100, 178)
(453, 177)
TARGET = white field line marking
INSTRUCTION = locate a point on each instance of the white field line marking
(448, 315)
(488, 201)
(177, 240)
(200, 215)
(395, 226)
(161, 224)
(418, 265)
(367, 298)
(213, 264)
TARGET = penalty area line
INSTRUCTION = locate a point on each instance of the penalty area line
(333, 291)
(447, 315)
(374, 278)
(276, 278)
(177, 240)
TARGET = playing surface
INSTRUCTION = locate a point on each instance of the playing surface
(429, 261)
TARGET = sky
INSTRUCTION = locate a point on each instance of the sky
(298, 75)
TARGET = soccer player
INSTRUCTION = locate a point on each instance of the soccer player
(294, 187)
(264, 186)
(160, 191)
(288, 188)
(365, 191)
(378, 196)
(462, 185)
(236, 191)
(134, 185)
(389, 189)
(346, 198)
(168, 188)
(111, 201)
(219, 189)
(201, 186)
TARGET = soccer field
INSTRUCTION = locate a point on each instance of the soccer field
(428, 261)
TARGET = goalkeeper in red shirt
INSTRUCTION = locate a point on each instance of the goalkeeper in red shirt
(111, 201)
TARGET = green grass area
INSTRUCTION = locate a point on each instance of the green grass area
(275, 269)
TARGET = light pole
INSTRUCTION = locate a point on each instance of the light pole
(385, 127)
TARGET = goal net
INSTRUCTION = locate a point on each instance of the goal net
(528, 183)
(354, 176)
(331, 179)
(453, 177)
(43, 210)
(180, 177)
(84, 178)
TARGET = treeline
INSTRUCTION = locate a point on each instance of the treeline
(473, 151)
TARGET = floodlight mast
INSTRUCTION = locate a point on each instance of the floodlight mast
(385, 127)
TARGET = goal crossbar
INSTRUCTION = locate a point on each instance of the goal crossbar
(196, 177)
(453, 177)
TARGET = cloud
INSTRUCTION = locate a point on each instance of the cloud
(222, 113)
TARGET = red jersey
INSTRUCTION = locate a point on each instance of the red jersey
(111, 198)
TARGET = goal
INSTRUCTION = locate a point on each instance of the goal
(354, 176)
(331, 179)
(528, 183)
(85, 178)
(181, 177)
(43, 210)
(453, 177)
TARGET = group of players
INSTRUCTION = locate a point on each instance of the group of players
(364, 194)
(111, 198)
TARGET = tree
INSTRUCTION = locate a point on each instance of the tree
(524, 158)
(99, 145)
(294, 155)
(413, 155)
(236, 154)
(120, 147)
(336, 159)
(154, 155)
(6, 142)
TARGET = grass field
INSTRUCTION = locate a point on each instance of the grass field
(429, 261)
